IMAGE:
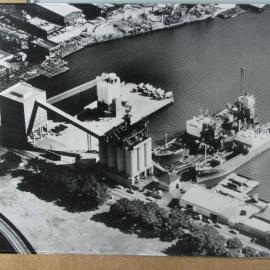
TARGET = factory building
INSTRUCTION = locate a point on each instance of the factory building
(12, 38)
(19, 117)
(23, 17)
(60, 13)
(127, 165)
(108, 94)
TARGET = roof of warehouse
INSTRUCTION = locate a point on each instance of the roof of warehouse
(257, 224)
(62, 9)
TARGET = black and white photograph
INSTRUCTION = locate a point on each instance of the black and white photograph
(135, 129)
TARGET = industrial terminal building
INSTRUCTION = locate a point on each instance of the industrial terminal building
(115, 119)
(17, 105)
(63, 14)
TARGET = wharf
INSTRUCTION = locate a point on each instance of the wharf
(137, 101)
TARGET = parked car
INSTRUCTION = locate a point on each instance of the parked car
(233, 231)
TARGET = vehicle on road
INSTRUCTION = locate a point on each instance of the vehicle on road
(233, 231)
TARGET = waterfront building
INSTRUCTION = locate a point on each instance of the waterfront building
(60, 13)
(13, 38)
(237, 186)
(169, 182)
(40, 49)
(126, 154)
(19, 116)
(217, 207)
(23, 18)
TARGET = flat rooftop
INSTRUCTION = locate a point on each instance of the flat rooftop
(141, 107)
(21, 92)
(221, 205)
(257, 224)
(47, 44)
(42, 24)
(60, 8)
(236, 186)
(207, 199)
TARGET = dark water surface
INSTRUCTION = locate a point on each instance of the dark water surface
(200, 62)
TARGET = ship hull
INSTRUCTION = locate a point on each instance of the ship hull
(232, 164)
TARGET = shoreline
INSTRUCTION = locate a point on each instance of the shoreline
(161, 28)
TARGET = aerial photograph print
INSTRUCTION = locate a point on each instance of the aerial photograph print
(135, 129)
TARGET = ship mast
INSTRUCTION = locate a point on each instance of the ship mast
(166, 139)
(242, 77)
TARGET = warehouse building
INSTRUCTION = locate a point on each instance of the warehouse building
(24, 18)
(217, 207)
(60, 13)
(19, 117)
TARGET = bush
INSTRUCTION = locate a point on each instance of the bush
(249, 251)
(203, 241)
(234, 243)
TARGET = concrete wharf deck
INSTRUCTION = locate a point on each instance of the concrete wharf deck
(141, 107)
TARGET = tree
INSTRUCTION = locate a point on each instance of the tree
(173, 225)
(152, 217)
(214, 242)
(10, 161)
(188, 244)
(203, 241)
(234, 243)
(249, 251)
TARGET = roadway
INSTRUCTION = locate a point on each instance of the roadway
(224, 230)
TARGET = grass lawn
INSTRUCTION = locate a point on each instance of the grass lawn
(51, 229)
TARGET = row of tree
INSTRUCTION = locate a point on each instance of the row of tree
(67, 187)
(168, 225)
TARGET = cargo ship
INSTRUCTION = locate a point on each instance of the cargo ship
(226, 140)
(258, 143)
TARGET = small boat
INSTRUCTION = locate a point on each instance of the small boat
(170, 149)
(210, 166)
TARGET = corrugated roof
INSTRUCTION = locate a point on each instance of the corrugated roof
(60, 8)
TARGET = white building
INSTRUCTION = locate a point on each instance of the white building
(17, 111)
(109, 93)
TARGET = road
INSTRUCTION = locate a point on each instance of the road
(224, 230)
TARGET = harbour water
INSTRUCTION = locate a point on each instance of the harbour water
(199, 62)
